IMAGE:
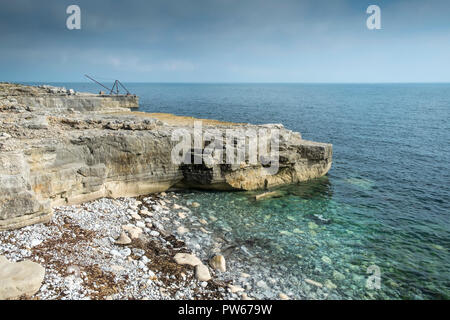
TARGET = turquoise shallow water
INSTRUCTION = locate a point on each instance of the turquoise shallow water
(385, 201)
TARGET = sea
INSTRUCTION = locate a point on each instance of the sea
(377, 226)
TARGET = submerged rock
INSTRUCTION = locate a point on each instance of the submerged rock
(330, 285)
(314, 283)
(195, 204)
(182, 230)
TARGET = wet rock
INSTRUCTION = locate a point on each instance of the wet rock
(218, 263)
(244, 296)
(330, 285)
(326, 260)
(314, 283)
(268, 195)
(262, 284)
(204, 230)
(338, 276)
(283, 296)
(182, 230)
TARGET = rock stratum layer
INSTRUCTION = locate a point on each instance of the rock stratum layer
(60, 147)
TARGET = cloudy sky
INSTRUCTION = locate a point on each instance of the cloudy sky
(226, 41)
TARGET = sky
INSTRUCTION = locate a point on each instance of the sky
(225, 41)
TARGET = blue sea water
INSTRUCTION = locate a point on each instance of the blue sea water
(385, 202)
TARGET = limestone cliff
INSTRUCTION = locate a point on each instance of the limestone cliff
(61, 147)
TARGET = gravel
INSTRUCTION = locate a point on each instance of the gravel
(77, 248)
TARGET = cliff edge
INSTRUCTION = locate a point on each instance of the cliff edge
(60, 147)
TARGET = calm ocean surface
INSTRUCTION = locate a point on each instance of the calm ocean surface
(385, 202)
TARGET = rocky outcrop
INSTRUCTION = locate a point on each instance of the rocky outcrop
(52, 154)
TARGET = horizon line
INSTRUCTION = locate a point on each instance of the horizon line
(239, 82)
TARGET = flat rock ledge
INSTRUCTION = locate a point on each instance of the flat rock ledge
(60, 147)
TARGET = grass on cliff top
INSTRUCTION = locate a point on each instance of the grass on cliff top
(172, 119)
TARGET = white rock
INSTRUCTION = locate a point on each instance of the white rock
(182, 230)
(35, 242)
(135, 216)
(123, 239)
(234, 289)
(125, 252)
(202, 272)
(326, 259)
(152, 275)
(314, 283)
(19, 278)
(133, 231)
(154, 233)
(114, 252)
(330, 285)
(218, 263)
(204, 230)
(140, 224)
(283, 296)
(145, 212)
(262, 284)
(186, 258)
(182, 215)
(4, 136)
(244, 296)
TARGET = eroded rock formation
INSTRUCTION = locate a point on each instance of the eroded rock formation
(60, 147)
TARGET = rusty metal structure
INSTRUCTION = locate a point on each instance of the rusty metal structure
(115, 88)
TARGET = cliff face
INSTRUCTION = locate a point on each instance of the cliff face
(58, 147)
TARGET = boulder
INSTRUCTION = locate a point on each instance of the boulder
(19, 278)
